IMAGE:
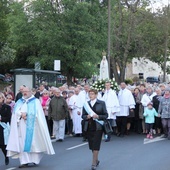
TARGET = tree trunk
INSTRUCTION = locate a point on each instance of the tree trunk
(165, 58)
(69, 78)
(119, 63)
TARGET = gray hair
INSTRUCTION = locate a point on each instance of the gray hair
(149, 87)
(158, 89)
(2, 95)
(167, 89)
(56, 89)
(70, 92)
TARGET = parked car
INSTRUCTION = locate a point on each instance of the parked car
(2, 77)
(61, 79)
(9, 77)
(152, 80)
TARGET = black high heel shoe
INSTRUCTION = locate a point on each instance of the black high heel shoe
(97, 163)
(6, 161)
(93, 167)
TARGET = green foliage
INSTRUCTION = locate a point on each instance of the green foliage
(7, 54)
(137, 32)
(3, 24)
(74, 34)
(128, 81)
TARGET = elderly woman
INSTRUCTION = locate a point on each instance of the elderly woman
(45, 100)
(10, 101)
(137, 121)
(5, 117)
(156, 100)
(92, 126)
(147, 97)
(164, 110)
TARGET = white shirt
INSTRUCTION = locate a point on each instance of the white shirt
(92, 102)
(112, 103)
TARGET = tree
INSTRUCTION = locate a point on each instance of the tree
(123, 34)
(154, 36)
(3, 23)
(72, 32)
(7, 54)
(136, 34)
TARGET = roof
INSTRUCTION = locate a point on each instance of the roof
(21, 70)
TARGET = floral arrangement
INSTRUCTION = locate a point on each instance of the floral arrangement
(100, 84)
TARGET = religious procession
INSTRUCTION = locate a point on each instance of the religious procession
(35, 117)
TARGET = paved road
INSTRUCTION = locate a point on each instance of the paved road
(132, 152)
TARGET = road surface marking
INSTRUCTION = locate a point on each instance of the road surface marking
(53, 140)
(11, 168)
(77, 146)
(156, 139)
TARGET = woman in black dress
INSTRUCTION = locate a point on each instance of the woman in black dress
(93, 128)
(138, 121)
(5, 116)
(156, 100)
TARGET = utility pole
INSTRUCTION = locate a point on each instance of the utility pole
(166, 44)
(108, 42)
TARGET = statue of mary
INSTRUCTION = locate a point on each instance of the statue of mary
(104, 70)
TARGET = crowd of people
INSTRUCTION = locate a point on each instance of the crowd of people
(144, 109)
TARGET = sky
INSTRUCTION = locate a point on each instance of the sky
(159, 3)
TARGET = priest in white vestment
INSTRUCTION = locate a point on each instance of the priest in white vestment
(126, 102)
(87, 98)
(112, 106)
(80, 100)
(86, 92)
(72, 108)
(29, 137)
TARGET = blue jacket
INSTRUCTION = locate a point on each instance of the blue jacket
(149, 115)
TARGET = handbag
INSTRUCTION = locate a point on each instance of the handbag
(131, 113)
(107, 127)
(84, 125)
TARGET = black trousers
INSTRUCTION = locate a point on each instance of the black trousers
(50, 127)
(149, 127)
(69, 126)
(138, 125)
(3, 148)
(121, 124)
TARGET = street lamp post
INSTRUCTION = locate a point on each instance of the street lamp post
(108, 43)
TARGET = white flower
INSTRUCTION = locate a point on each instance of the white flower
(113, 79)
